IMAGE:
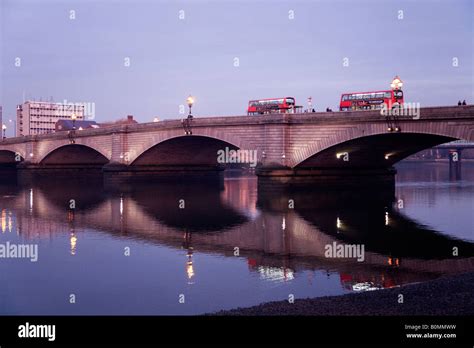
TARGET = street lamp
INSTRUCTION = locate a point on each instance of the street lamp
(73, 118)
(190, 102)
(4, 128)
(397, 83)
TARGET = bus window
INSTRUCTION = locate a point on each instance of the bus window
(398, 94)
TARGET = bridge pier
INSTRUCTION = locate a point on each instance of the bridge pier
(34, 167)
(28, 173)
(117, 174)
(116, 167)
(327, 177)
(455, 164)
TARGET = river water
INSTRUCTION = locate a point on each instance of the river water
(186, 248)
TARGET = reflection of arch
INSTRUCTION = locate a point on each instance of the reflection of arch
(373, 151)
(58, 194)
(387, 232)
(202, 209)
(74, 154)
(184, 150)
(364, 217)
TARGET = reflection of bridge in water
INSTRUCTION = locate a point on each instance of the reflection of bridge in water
(455, 155)
(276, 240)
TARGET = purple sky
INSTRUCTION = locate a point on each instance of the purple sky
(170, 58)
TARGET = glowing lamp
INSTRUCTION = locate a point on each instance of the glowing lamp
(190, 101)
(397, 83)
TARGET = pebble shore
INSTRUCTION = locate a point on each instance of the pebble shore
(453, 295)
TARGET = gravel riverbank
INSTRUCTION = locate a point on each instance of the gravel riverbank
(453, 295)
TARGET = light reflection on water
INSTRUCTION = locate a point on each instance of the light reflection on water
(134, 251)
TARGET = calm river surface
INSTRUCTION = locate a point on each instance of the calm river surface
(135, 250)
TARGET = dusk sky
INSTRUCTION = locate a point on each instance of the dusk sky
(283, 48)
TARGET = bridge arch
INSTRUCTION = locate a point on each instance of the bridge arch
(46, 148)
(412, 139)
(186, 150)
(73, 154)
(17, 149)
(10, 157)
(374, 151)
(140, 147)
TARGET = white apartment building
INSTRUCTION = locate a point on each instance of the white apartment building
(38, 117)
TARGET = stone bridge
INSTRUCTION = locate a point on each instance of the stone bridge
(285, 145)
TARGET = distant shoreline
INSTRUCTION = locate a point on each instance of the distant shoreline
(439, 160)
(452, 295)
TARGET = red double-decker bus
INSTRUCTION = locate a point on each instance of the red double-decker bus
(374, 100)
(371, 100)
(272, 106)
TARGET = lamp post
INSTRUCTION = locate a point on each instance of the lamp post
(4, 128)
(190, 102)
(396, 86)
(397, 83)
(187, 121)
(73, 118)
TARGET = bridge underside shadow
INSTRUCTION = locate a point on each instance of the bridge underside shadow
(9, 159)
(376, 151)
(74, 155)
(72, 161)
(183, 151)
(191, 156)
(366, 160)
